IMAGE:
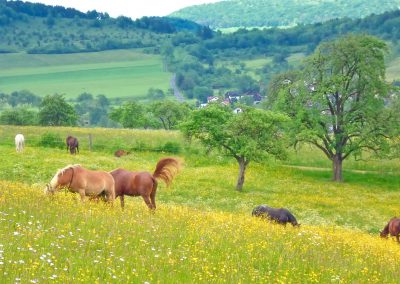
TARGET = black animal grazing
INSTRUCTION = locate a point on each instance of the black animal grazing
(279, 215)
(72, 144)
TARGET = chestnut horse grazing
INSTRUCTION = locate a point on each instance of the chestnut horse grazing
(72, 144)
(86, 182)
(144, 183)
(392, 228)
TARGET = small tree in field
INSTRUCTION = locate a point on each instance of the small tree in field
(339, 102)
(55, 111)
(170, 113)
(246, 136)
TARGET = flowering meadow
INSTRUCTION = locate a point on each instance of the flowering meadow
(202, 230)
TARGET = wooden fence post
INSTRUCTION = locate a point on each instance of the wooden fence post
(90, 142)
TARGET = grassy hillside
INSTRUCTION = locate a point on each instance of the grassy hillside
(202, 230)
(116, 73)
(275, 13)
(39, 28)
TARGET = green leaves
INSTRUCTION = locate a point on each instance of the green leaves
(250, 134)
(247, 136)
(338, 103)
(55, 111)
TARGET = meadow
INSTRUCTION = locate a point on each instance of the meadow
(116, 73)
(202, 230)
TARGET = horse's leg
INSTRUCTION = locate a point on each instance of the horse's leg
(153, 198)
(397, 238)
(146, 199)
(82, 194)
(121, 198)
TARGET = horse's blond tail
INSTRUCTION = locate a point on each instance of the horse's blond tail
(166, 169)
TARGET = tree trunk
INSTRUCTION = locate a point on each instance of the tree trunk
(242, 170)
(163, 123)
(337, 168)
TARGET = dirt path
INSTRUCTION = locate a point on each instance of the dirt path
(177, 94)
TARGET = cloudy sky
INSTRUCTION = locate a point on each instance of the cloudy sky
(131, 8)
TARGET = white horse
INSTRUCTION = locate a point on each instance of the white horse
(19, 142)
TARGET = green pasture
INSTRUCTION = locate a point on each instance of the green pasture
(253, 65)
(117, 73)
(301, 183)
(202, 230)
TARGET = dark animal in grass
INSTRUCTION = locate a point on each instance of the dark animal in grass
(279, 215)
(72, 145)
(392, 228)
(120, 153)
(144, 183)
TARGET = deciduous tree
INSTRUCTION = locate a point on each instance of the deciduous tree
(339, 101)
(170, 113)
(55, 111)
(246, 136)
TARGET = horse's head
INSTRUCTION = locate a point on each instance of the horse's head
(295, 224)
(49, 189)
(384, 234)
(58, 180)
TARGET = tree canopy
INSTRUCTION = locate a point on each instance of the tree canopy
(170, 113)
(55, 111)
(246, 136)
(339, 101)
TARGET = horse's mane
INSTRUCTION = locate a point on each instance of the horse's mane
(61, 171)
(54, 180)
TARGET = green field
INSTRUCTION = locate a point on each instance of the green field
(202, 231)
(117, 73)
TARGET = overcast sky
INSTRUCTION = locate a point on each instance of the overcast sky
(131, 8)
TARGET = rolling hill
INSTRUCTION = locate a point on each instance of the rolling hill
(113, 73)
(275, 13)
(49, 50)
(37, 28)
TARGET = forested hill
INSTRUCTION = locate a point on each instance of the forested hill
(39, 28)
(275, 13)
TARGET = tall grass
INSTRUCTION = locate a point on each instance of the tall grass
(46, 239)
(202, 230)
(98, 139)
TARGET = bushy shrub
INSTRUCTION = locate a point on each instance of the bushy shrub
(51, 140)
(172, 147)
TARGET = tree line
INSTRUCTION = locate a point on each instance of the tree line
(25, 108)
(196, 60)
(278, 13)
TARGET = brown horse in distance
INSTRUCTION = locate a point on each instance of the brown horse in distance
(120, 153)
(392, 228)
(144, 183)
(72, 144)
(86, 182)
